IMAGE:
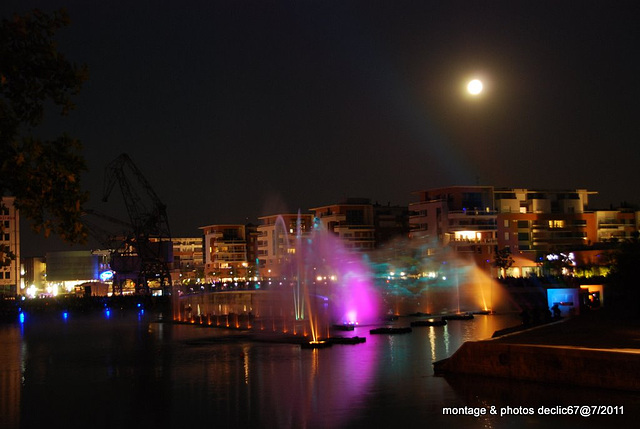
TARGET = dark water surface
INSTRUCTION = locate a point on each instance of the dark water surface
(130, 371)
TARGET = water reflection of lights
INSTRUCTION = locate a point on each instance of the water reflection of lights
(245, 354)
(392, 353)
(315, 362)
(432, 342)
(445, 337)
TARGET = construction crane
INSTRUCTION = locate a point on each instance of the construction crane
(146, 252)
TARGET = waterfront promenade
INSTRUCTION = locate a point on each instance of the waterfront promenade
(597, 349)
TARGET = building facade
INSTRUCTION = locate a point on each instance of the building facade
(545, 220)
(617, 225)
(225, 253)
(351, 220)
(462, 217)
(530, 223)
(188, 258)
(79, 272)
(10, 280)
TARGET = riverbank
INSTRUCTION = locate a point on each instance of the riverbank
(597, 349)
(10, 309)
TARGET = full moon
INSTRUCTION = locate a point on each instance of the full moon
(474, 87)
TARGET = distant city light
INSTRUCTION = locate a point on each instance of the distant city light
(31, 291)
(106, 275)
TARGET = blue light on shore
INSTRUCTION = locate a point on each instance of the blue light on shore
(65, 315)
(107, 313)
(21, 317)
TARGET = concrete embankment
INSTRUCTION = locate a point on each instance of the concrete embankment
(561, 353)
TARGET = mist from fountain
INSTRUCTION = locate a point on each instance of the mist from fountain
(418, 276)
(330, 285)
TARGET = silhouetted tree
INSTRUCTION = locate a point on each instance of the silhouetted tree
(43, 175)
(502, 259)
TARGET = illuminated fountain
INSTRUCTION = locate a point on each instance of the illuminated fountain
(416, 281)
(318, 285)
(330, 285)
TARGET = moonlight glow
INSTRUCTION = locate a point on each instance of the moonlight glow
(474, 87)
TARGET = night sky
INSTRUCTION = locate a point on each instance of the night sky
(237, 109)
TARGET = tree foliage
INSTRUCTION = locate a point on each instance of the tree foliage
(43, 174)
(502, 259)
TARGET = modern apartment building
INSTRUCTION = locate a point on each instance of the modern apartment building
(188, 258)
(10, 284)
(530, 222)
(463, 217)
(225, 253)
(617, 225)
(352, 220)
(277, 241)
(545, 220)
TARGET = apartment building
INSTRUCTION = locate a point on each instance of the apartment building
(463, 217)
(545, 220)
(530, 222)
(617, 225)
(10, 282)
(352, 220)
(277, 241)
(225, 253)
(188, 258)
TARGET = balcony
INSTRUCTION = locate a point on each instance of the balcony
(229, 241)
(459, 213)
(610, 224)
(459, 228)
(474, 241)
(336, 216)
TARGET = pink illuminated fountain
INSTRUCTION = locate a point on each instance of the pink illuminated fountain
(330, 284)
